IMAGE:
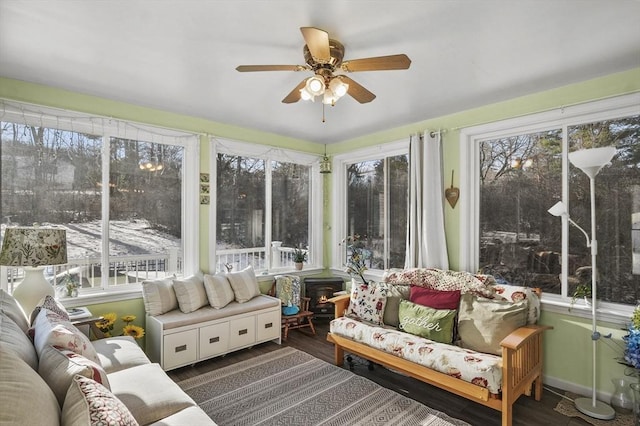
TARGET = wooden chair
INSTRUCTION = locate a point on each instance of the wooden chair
(287, 289)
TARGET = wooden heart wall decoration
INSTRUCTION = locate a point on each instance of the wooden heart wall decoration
(452, 194)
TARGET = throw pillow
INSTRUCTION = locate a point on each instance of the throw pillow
(423, 321)
(12, 308)
(190, 293)
(483, 323)
(395, 293)
(89, 403)
(219, 291)
(367, 302)
(159, 296)
(514, 293)
(58, 367)
(244, 284)
(50, 303)
(26, 398)
(436, 299)
(51, 330)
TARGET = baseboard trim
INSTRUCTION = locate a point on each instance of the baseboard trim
(575, 388)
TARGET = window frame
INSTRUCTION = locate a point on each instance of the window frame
(107, 128)
(339, 198)
(560, 118)
(269, 154)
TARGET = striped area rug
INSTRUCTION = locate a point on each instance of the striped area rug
(290, 387)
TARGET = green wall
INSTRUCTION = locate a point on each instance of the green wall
(567, 346)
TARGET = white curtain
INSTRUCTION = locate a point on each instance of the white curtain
(426, 241)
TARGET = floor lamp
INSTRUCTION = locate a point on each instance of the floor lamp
(590, 161)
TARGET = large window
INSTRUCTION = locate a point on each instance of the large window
(268, 203)
(373, 205)
(118, 190)
(521, 169)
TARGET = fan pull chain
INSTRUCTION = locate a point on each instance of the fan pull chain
(323, 112)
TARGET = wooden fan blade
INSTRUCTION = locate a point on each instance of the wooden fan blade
(317, 41)
(379, 63)
(252, 68)
(294, 95)
(357, 91)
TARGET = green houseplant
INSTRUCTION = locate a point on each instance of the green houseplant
(299, 257)
(581, 291)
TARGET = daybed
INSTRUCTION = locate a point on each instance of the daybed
(488, 349)
(203, 316)
(62, 378)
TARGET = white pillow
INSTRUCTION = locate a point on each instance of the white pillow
(159, 296)
(190, 293)
(51, 330)
(244, 284)
(219, 291)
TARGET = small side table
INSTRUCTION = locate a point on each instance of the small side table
(87, 324)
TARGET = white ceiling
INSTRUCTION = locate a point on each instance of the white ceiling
(180, 55)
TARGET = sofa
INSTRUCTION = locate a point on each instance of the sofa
(51, 374)
(462, 332)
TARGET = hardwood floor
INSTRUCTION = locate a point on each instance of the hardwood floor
(527, 411)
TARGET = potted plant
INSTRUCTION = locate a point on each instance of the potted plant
(581, 291)
(299, 257)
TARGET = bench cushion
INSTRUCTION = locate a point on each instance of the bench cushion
(176, 318)
(481, 369)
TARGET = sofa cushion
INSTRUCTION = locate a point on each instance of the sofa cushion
(423, 321)
(149, 393)
(395, 293)
(48, 302)
(88, 403)
(244, 284)
(13, 310)
(51, 330)
(25, 398)
(189, 416)
(176, 318)
(15, 340)
(367, 302)
(59, 366)
(159, 296)
(190, 293)
(436, 299)
(219, 291)
(484, 370)
(483, 323)
(119, 353)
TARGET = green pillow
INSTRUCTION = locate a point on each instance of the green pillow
(423, 321)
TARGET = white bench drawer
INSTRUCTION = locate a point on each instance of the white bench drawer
(242, 332)
(180, 348)
(214, 340)
(269, 325)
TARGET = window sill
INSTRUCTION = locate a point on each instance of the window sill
(608, 312)
(100, 297)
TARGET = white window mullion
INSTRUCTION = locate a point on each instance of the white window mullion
(104, 252)
(268, 181)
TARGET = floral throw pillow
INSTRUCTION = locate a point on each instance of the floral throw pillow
(367, 302)
(89, 403)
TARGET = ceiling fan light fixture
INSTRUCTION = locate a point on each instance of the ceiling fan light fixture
(329, 97)
(306, 96)
(338, 87)
(315, 85)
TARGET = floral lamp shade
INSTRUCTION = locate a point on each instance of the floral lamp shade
(34, 246)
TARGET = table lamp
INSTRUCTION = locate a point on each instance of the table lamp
(33, 248)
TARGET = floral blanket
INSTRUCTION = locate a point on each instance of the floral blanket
(474, 367)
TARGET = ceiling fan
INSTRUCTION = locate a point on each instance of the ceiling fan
(323, 57)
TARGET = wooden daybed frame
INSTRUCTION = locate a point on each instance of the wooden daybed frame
(521, 366)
